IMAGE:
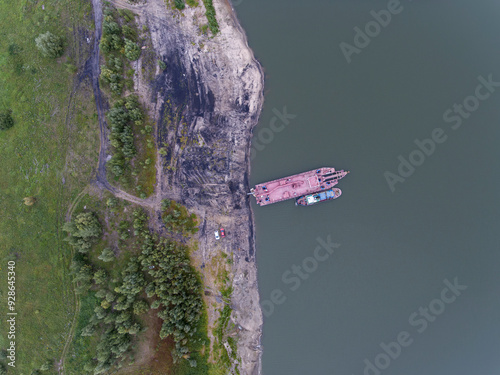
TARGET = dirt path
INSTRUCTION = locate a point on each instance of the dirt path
(69, 339)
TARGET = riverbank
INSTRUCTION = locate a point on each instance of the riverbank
(205, 93)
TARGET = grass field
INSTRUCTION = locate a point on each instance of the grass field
(36, 161)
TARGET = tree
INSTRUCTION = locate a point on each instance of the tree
(84, 231)
(134, 329)
(101, 293)
(110, 296)
(49, 45)
(140, 307)
(100, 276)
(100, 312)
(107, 255)
(132, 50)
(6, 120)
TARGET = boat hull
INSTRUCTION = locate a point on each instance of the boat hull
(321, 196)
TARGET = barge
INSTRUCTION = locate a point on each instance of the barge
(296, 186)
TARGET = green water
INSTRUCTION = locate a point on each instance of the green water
(395, 248)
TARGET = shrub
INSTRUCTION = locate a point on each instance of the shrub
(46, 366)
(49, 45)
(6, 120)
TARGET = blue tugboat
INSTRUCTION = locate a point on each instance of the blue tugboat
(308, 200)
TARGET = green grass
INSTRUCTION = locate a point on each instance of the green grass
(82, 347)
(33, 156)
(199, 351)
(222, 330)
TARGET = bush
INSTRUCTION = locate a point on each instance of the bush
(112, 202)
(49, 45)
(29, 201)
(46, 366)
(6, 120)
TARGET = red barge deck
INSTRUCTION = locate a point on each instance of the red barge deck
(297, 185)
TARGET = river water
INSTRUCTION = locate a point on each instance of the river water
(379, 301)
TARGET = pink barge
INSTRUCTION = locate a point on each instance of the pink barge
(295, 186)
